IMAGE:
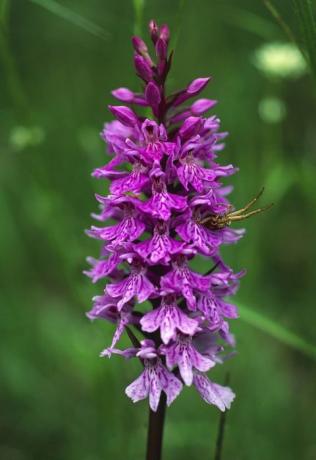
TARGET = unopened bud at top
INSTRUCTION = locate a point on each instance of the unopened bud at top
(161, 49)
(164, 33)
(153, 30)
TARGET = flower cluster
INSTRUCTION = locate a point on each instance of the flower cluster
(164, 184)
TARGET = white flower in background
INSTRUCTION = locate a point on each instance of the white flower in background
(281, 60)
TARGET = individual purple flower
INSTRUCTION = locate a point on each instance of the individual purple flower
(128, 229)
(153, 380)
(135, 285)
(161, 247)
(167, 205)
(102, 268)
(180, 279)
(169, 318)
(201, 238)
(106, 308)
(215, 309)
(162, 203)
(132, 182)
(191, 172)
(183, 354)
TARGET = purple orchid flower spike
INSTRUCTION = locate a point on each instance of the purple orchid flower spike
(167, 205)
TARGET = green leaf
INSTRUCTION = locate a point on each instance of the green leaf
(277, 331)
(72, 17)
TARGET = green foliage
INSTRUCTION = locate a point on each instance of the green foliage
(139, 10)
(73, 17)
(276, 330)
(305, 17)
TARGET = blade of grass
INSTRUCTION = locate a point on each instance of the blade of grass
(279, 19)
(248, 21)
(277, 331)
(139, 11)
(178, 21)
(73, 17)
(304, 13)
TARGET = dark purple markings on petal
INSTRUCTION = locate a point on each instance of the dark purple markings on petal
(102, 268)
(135, 284)
(133, 182)
(173, 388)
(155, 388)
(182, 279)
(159, 248)
(190, 172)
(183, 354)
(139, 389)
(161, 204)
(129, 229)
(168, 318)
(213, 393)
(206, 241)
(104, 307)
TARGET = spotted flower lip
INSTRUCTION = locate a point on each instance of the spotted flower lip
(169, 318)
(164, 180)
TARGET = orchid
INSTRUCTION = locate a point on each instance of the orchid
(167, 205)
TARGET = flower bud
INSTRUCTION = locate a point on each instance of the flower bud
(190, 127)
(164, 33)
(202, 105)
(139, 45)
(193, 89)
(161, 49)
(197, 85)
(143, 68)
(153, 30)
(124, 114)
(152, 94)
(123, 94)
(126, 95)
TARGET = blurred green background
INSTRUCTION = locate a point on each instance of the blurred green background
(59, 61)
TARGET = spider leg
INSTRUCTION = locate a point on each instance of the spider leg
(249, 205)
(236, 217)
